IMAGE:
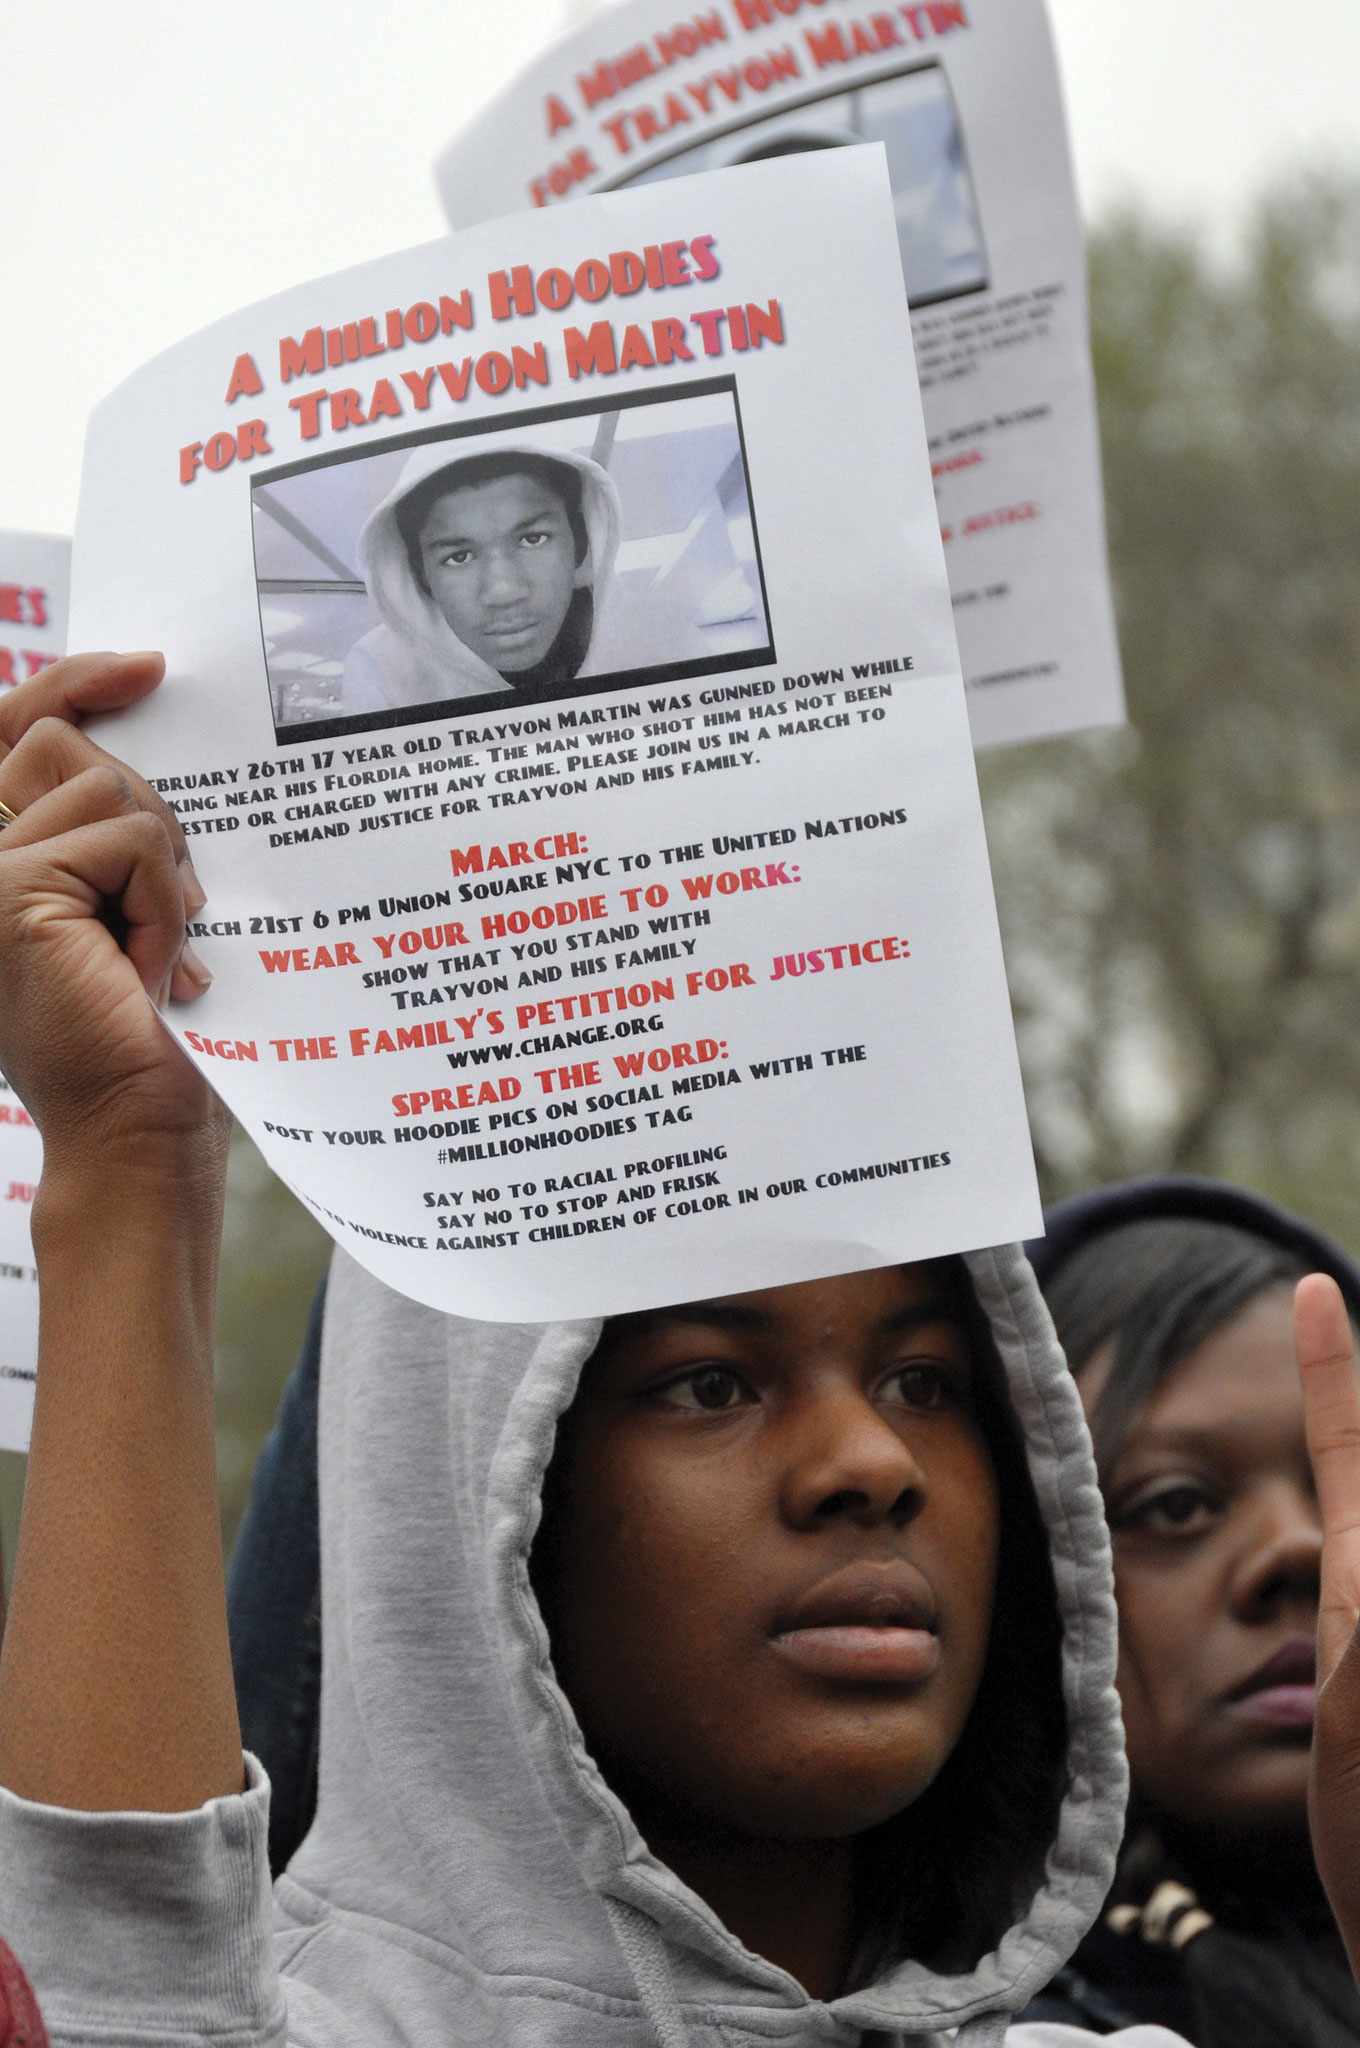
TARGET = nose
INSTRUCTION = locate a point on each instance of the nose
(502, 580)
(1281, 1565)
(846, 1463)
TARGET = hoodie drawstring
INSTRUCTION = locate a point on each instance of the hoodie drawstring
(644, 1952)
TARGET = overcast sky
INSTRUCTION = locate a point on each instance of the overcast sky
(164, 162)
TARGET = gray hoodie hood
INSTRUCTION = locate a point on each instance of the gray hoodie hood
(415, 657)
(470, 1877)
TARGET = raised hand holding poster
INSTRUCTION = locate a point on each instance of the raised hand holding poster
(563, 705)
(35, 571)
(964, 96)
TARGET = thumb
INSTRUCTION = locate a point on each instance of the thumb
(79, 686)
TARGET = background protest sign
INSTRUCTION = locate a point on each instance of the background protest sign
(563, 707)
(20, 1167)
(964, 96)
(35, 571)
(35, 574)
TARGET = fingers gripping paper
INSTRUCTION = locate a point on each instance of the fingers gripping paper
(964, 97)
(34, 574)
(564, 709)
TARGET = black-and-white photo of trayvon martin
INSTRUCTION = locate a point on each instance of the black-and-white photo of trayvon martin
(564, 550)
(912, 113)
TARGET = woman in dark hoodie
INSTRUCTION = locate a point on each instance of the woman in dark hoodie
(1173, 1301)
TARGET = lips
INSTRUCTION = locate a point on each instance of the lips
(1282, 1692)
(520, 631)
(865, 1624)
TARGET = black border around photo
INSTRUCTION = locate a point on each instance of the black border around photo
(658, 676)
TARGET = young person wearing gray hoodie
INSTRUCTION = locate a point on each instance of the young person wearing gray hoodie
(737, 1673)
(494, 570)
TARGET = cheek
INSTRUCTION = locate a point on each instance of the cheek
(966, 1537)
(647, 1575)
(554, 567)
(1166, 1630)
(450, 588)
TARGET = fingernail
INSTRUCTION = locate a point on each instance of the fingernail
(163, 999)
(141, 654)
(196, 971)
(194, 893)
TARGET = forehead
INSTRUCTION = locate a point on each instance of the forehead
(495, 505)
(850, 1306)
(1240, 1385)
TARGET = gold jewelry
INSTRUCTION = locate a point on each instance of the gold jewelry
(7, 816)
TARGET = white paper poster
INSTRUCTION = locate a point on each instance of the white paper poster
(563, 705)
(964, 96)
(35, 570)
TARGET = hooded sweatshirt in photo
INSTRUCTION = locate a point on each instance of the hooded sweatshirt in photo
(414, 657)
(470, 1880)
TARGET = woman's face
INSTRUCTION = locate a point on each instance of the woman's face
(1217, 1546)
(500, 562)
(771, 1536)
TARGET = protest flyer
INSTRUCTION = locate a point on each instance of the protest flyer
(35, 571)
(563, 707)
(964, 96)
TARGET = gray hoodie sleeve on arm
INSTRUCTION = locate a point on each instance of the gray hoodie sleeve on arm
(137, 1927)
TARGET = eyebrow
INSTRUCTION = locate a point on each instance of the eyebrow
(725, 1315)
(904, 1320)
(711, 1315)
(1222, 1436)
(464, 540)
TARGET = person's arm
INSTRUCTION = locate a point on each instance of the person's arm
(115, 1678)
(274, 1604)
(1331, 1391)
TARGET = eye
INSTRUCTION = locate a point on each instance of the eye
(455, 558)
(924, 1385)
(1182, 1507)
(712, 1388)
(536, 539)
